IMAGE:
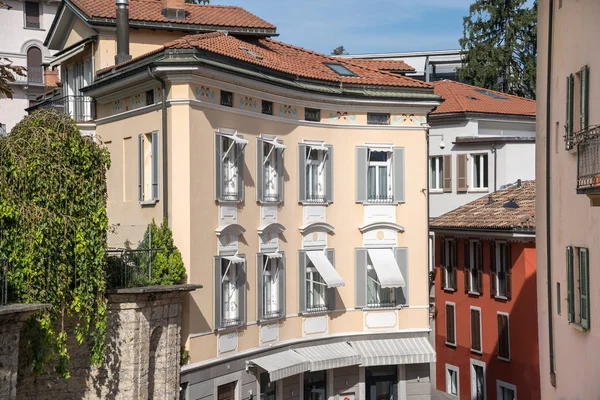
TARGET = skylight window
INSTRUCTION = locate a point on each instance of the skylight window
(253, 54)
(340, 69)
(491, 94)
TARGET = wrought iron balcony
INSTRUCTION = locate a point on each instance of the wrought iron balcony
(80, 108)
(129, 268)
(588, 160)
(385, 199)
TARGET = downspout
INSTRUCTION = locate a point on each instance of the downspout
(495, 151)
(165, 153)
(548, 195)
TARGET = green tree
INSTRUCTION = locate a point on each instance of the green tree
(339, 51)
(53, 230)
(500, 46)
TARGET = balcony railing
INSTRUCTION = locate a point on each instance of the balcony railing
(315, 198)
(80, 108)
(588, 159)
(387, 199)
(128, 268)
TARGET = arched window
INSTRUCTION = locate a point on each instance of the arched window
(35, 74)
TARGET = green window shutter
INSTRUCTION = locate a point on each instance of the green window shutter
(331, 292)
(584, 287)
(329, 174)
(155, 157)
(360, 276)
(280, 172)
(141, 167)
(240, 167)
(468, 266)
(260, 265)
(301, 173)
(260, 170)
(281, 282)
(242, 292)
(584, 97)
(218, 295)
(398, 175)
(443, 268)
(361, 174)
(401, 254)
(569, 114)
(218, 167)
(492, 269)
(301, 281)
(570, 286)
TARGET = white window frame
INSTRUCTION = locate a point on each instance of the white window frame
(473, 266)
(230, 301)
(271, 268)
(436, 167)
(480, 330)
(472, 365)
(271, 175)
(481, 171)
(454, 323)
(320, 164)
(379, 197)
(375, 279)
(450, 367)
(499, 268)
(449, 260)
(508, 331)
(315, 281)
(500, 385)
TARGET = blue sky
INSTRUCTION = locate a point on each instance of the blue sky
(363, 26)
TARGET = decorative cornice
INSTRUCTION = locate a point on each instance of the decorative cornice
(381, 225)
(235, 229)
(272, 227)
(316, 227)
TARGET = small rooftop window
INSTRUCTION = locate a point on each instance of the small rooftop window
(253, 54)
(472, 98)
(491, 94)
(340, 69)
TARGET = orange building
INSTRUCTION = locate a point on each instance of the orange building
(485, 297)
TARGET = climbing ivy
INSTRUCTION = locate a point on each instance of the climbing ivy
(53, 226)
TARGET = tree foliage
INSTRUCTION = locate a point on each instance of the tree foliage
(339, 51)
(8, 73)
(167, 263)
(53, 226)
(500, 46)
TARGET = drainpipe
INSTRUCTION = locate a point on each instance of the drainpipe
(165, 155)
(495, 151)
(548, 194)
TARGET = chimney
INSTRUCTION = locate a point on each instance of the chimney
(173, 9)
(122, 32)
(50, 78)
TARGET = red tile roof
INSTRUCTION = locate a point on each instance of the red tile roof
(150, 11)
(384, 65)
(490, 213)
(461, 98)
(290, 59)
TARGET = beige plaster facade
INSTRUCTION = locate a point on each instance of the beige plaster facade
(573, 220)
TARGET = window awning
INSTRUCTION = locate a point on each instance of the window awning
(416, 350)
(77, 49)
(387, 269)
(235, 259)
(322, 264)
(275, 144)
(327, 356)
(274, 255)
(237, 139)
(281, 365)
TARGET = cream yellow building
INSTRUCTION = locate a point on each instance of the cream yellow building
(296, 188)
(568, 183)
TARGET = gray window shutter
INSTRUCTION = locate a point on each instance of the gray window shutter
(155, 173)
(401, 254)
(260, 170)
(218, 168)
(584, 96)
(360, 278)
(331, 292)
(280, 172)
(301, 281)
(461, 173)
(447, 172)
(282, 273)
(301, 173)
(584, 287)
(398, 175)
(260, 264)
(329, 174)
(141, 167)
(218, 295)
(570, 285)
(468, 266)
(569, 113)
(361, 173)
(243, 292)
(241, 164)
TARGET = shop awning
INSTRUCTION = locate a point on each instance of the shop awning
(385, 265)
(327, 356)
(281, 365)
(328, 273)
(416, 350)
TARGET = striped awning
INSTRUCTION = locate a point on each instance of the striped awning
(281, 365)
(327, 356)
(415, 350)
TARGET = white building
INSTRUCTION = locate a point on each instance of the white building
(480, 140)
(22, 33)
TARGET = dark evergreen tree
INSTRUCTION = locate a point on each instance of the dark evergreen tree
(499, 44)
(339, 51)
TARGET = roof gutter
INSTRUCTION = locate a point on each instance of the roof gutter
(165, 153)
(548, 195)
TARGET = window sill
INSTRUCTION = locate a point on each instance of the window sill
(453, 345)
(436, 191)
(503, 298)
(270, 319)
(34, 29)
(315, 203)
(478, 352)
(230, 328)
(504, 359)
(312, 313)
(382, 308)
(449, 290)
(222, 201)
(470, 293)
(478, 190)
(578, 327)
(148, 203)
